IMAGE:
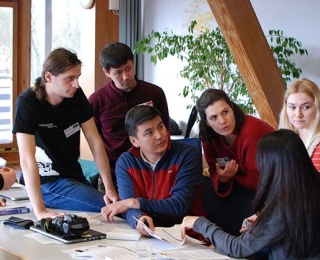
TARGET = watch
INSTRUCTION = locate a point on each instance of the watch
(87, 4)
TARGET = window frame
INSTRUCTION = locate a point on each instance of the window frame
(11, 145)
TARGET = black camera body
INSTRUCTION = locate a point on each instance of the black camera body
(68, 225)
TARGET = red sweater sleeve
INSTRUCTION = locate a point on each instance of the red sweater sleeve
(243, 150)
(315, 157)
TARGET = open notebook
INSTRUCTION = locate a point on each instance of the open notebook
(93, 235)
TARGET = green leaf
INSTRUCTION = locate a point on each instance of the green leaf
(209, 63)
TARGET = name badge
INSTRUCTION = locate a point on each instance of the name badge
(72, 129)
(149, 103)
(223, 161)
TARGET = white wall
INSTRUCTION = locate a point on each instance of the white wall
(296, 18)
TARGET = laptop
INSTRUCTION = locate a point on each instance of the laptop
(93, 235)
(15, 194)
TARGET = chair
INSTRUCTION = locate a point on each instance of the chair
(192, 141)
(90, 171)
(192, 119)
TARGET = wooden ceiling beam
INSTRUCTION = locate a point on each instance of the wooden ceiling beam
(250, 49)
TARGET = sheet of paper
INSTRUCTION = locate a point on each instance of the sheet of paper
(171, 235)
(101, 252)
(194, 254)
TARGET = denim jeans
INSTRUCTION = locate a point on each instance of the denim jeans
(69, 194)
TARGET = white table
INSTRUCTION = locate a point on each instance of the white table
(15, 246)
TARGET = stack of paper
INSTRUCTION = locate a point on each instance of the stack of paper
(123, 234)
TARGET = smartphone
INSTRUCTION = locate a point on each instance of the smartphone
(223, 161)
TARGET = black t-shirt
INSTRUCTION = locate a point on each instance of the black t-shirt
(56, 130)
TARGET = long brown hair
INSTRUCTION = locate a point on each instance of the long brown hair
(209, 97)
(58, 61)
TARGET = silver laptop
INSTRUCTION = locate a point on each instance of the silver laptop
(15, 194)
(93, 235)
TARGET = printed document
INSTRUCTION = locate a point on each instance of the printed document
(171, 235)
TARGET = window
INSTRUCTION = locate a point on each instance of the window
(54, 24)
(7, 72)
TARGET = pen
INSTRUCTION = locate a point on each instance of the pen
(96, 216)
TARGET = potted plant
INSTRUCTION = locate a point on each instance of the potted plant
(209, 63)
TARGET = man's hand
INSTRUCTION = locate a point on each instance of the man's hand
(111, 196)
(109, 211)
(187, 224)
(48, 214)
(228, 172)
(147, 221)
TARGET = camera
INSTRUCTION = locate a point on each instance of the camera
(68, 225)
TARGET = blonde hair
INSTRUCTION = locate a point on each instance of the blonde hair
(311, 89)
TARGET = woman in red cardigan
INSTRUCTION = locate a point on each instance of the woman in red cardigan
(229, 139)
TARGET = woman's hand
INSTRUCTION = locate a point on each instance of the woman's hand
(187, 224)
(111, 196)
(247, 223)
(228, 172)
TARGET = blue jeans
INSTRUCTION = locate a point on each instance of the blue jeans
(69, 194)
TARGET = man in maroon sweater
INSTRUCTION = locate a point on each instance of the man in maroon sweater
(113, 101)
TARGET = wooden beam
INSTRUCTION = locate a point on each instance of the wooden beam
(249, 47)
(106, 31)
(24, 45)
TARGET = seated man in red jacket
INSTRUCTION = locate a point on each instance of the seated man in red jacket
(159, 181)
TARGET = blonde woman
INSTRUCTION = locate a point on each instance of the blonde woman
(300, 113)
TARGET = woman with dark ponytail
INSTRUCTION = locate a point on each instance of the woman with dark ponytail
(287, 204)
